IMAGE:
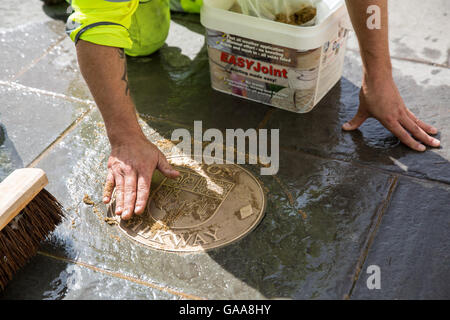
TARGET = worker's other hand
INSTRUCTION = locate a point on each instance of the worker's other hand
(130, 171)
(380, 99)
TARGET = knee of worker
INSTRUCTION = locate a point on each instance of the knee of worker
(149, 27)
(102, 22)
(191, 6)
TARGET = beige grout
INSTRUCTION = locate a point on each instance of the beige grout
(286, 191)
(434, 64)
(371, 237)
(265, 119)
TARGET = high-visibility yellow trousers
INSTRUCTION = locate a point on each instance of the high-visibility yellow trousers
(139, 26)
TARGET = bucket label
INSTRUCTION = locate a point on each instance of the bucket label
(278, 76)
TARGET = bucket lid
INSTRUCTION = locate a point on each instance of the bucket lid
(215, 15)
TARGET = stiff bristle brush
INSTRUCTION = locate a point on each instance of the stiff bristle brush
(28, 213)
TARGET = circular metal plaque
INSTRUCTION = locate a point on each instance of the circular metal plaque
(207, 206)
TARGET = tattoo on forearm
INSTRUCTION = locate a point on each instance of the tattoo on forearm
(125, 71)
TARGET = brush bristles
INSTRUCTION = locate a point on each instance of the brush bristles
(20, 239)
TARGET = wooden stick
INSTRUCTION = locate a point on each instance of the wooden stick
(17, 190)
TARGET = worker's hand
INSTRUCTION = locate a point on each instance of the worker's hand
(130, 171)
(380, 99)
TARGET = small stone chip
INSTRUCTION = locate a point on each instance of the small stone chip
(246, 211)
(303, 214)
(110, 221)
(87, 200)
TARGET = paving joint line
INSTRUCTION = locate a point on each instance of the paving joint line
(68, 129)
(286, 191)
(420, 61)
(265, 119)
(145, 117)
(36, 60)
(60, 137)
(372, 234)
(124, 277)
(367, 166)
(19, 86)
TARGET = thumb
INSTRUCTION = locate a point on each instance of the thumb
(356, 122)
(165, 168)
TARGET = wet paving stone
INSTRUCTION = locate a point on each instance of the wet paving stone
(9, 158)
(23, 46)
(318, 217)
(39, 279)
(174, 84)
(412, 245)
(76, 167)
(31, 120)
(15, 14)
(319, 131)
(45, 278)
(36, 52)
(323, 205)
(64, 76)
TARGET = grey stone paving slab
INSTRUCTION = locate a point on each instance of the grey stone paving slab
(56, 68)
(186, 101)
(425, 91)
(58, 71)
(319, 132)
(9, 158)
(412, 245)
(45, 278)
(76, 167)
(320, 210)
(22, 12)
(32, 120)
(310, 253)
(21, 46)
(418, 30)
(39, 279)
(318, 217)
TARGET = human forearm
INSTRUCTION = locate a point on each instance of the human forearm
(373, 43)
(133, 158)
(105, 71)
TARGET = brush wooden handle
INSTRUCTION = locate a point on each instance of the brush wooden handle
(17, 190)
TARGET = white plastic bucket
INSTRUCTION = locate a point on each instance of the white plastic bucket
(282, 65)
